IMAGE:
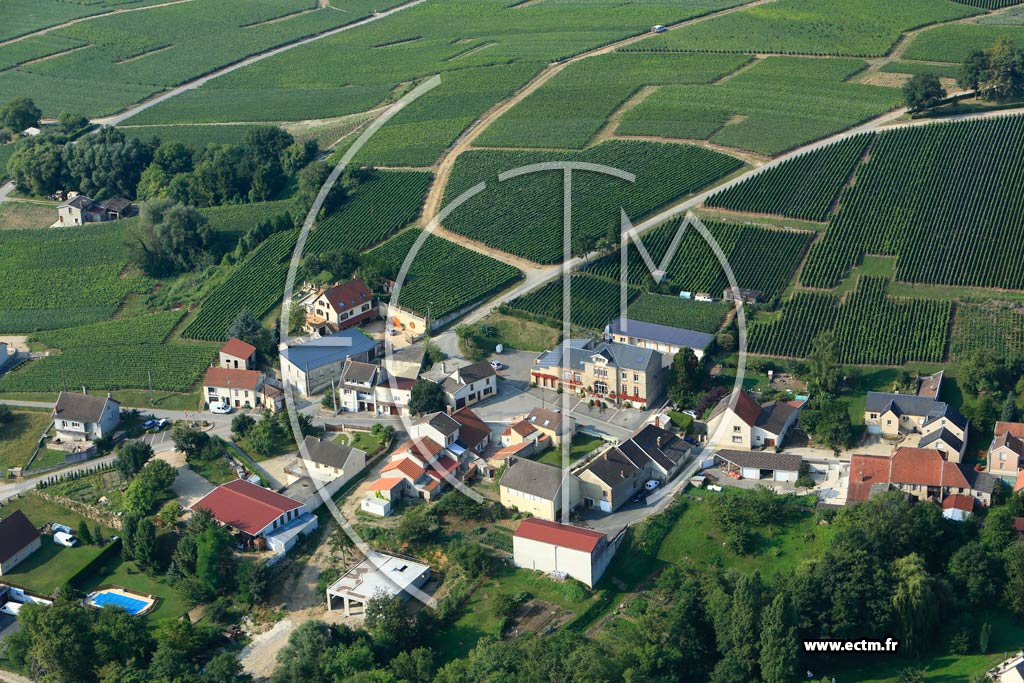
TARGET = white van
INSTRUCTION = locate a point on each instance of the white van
(66, 540)
(658, 28)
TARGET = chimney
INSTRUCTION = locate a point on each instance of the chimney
(83, 390)
(658, 441)
(443, 367)
(622, 474)
(110, 395)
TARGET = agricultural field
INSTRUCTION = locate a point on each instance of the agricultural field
(675, 312)
(987, 326)
(119, 354)
(570, 109)
(27, 16)
(19, 437)
(856, 28)
(443, 276)
(256, 285)
(954, 187)
(26, 215)
(954, 42)
(593, 303)
(193, 136)
(804, 187)
(230, 222)
(870, 327)
(381, 206)
(695, 267)
(483, 49)
(913, 68)
(523, 216)
(162, 47)
(89, 261)
(772, 106)
(35, 47)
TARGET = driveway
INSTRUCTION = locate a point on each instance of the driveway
(188, 486)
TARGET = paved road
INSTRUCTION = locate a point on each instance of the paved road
(25, 485)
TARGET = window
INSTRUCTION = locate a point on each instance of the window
(636, 391)
(625, 374)
(636, 377)
(577, 377)
(567, 376)
(737, 439)
(736, 428)
(874, 416)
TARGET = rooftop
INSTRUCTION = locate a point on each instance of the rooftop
(16, 532)
(328, 453)
(665, 334)
(536, 478)
(238, 348)
(244, 506)
(561, 535)
(322, 351)
(379, 573)
(79, 407)
(230, 377)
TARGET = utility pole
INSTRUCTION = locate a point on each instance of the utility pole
(150, 373)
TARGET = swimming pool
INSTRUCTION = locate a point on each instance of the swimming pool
(114, 597)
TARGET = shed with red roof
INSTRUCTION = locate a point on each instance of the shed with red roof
(238, 355)
(563, 550)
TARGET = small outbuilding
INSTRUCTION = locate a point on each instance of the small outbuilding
(18, 539)
(761, 464)
(563, 550)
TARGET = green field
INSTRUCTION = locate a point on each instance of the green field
(775, 105)
(858, 28)
(593, 304)
(193, 136)
(35, 47)
(869, 326)
(443, 276)
(987, 326)
(571, 108)
(915, 190)
(26, 215)
(523, 216)
(28, 16)
(954, 42)
(804, 187)
(675, 312)
(695, 267)
(19, 437)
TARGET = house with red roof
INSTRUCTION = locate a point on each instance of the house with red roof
(920, 472)
(236, 388)
(957, 507)
(740, 422)
(257, 513)
(563, 550)
(237, 355)
(339, 307)
(1006, 453)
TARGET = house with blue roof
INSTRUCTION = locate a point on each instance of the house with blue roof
(313, 365)
(660, 338)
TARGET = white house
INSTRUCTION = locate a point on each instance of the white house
(237, 355)
(464, 385)
(237, 388)
(18, 539)
(563, 549)
(325, 466)
(745, 424)
(80, 417)
(258, 513)
(314, 365)
(378, 574)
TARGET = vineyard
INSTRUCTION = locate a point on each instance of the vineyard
(870, 328)
(858, 28)
(443, 277)
(804, 187)
(193, 136)
(695, 267)
(27, 16)
(954, 42)
(774, 105)
(573, 106)
(676, 312)
(120, 354)
(945, 199)
(593, 302)
(987, 327)
(381, 206)
(256, 285)
(57, 277)
(523, 216)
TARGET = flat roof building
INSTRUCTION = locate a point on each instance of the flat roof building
(377, 574)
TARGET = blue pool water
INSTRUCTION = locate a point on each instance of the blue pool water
(129, 605)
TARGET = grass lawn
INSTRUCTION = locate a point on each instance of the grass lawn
(18, 437)
(478, 618)
(282, 445)
(364, 441)
(48, 458)
(117, 572)
(523, 335)
(50, 567)
(26, 215)
(582, 444)
(217, 471)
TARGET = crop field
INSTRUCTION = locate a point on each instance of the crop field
(28, 16)
(954, 42)
(857, 28)
(775, 105)
(443, 277)
(483, 50)
(139, 346)
(569, 110)
(954, 187)
(695, 267)
(593, 303)
(523, 216)
(256, 285)
(804, 187)
(380, 207)
(57, 277)
(986, 327)
(229, 222)
(165, 46)
(193, 136)
(870, 328)
(912, 68)
(676, 312)
(34, 47)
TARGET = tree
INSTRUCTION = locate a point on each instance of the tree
(998, 532)
(911, 674)
(1014, 592)
(973, 70)
(834, 427)
(84, 534)
(189, 441)
(822, 366)
(978, 573)
(170, 513)
(296, 320)
(1009, 409)
(923, 91)
(241, 425)
(916, 598)
(214, 561)
(1005, 77)
(253, 582)
(981, 371)
(72, 124)
(37, 166)
(144, 545)
(778, 642)
(261, 438)
(386, 619)
(59, 640)
(107, 163)
(247, 328)
(426, 397)
(19, 114)
(131, 458)
(686, 378)
(169, 238)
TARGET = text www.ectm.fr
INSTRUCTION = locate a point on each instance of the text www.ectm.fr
(887, 645)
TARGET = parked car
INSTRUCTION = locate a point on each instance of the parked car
(66, 540)
(496, 364)
(148, 424)
(652, 484)
(220, 408)
(658, 28)
(162, 423)
(55, 527)
(690, 440)
(692, 413)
